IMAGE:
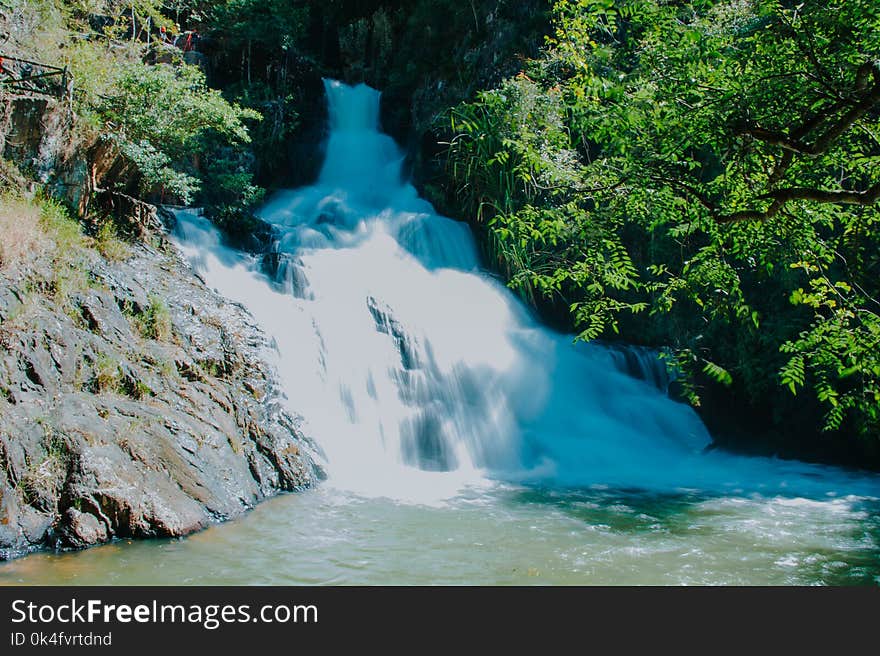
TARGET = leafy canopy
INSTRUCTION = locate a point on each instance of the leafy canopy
(710, 166)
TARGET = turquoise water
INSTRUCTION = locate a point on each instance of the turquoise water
(502, 535)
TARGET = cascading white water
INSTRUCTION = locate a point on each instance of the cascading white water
(418, 373)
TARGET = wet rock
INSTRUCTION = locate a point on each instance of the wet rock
(34, 524)
(107, 431)
(424, 444)
(134, 500)
(83, 529)
(9, 527)
(102, 315)
(386, 323)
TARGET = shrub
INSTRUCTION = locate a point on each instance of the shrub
(155, 321)
(108, 374)
(156, 115)
(109, 243)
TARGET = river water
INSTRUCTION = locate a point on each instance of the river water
(464, 442)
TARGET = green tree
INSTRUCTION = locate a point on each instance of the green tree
(711, 166)
(158, 116)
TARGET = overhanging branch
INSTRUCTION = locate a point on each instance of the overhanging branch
(866, 99)
(780, 197)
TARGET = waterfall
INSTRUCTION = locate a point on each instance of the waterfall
(419, 373)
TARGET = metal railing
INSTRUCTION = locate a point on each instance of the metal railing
(25, 76)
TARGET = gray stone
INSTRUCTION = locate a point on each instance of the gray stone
(83, 529)
(176, 434)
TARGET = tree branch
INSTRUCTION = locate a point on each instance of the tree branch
(781, 197)
(683, 186)
(845, 197)
(868, 98)
(573, 188)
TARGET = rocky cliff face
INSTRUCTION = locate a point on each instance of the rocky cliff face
(134, 402)
(37, 136)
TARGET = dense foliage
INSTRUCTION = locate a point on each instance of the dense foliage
(710, 167)
(161, 114)
(152, 106)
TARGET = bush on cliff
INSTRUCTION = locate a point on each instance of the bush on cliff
(158, 116)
